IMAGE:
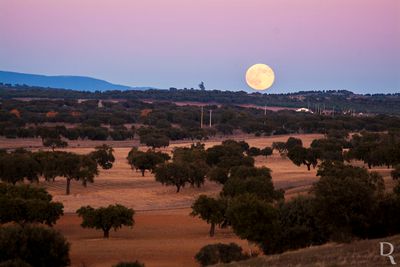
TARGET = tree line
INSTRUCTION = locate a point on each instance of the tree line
(19, 165)
(155, 124)
(339, 99)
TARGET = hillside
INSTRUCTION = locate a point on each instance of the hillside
(65, 82)
(360, 253)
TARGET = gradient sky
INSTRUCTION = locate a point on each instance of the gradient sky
(310, 44)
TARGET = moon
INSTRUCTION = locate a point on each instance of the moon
(260, 77)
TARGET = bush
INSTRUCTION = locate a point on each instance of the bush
(14, 263)
(220, 253)
(129, 264)
(37, 246)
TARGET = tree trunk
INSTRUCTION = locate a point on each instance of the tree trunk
(212, 229)
(68, 186)
(142, 172)
(106, 233)
(178, 188)
(308, 166)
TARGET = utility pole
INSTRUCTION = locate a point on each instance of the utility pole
(210, 118)
(265, 114)
(201, 117)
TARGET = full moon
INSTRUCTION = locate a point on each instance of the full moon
(260, 77)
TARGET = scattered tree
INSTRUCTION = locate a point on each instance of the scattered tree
(77, 167)
(146, 160)
(54, 143)
(211, 210)
(173, 173)
(300, 155)
(105, 218)
(104, 156)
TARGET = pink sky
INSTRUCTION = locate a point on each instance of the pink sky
(311, 44)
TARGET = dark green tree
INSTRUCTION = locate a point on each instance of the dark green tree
(211, 210)
(301, 155)
(25, 204)
(54, 143)
(293, 142)
(106, 218)
(37, 246)
(257, 181)
(76, 167)
(253, 219)
(104, 156)
(280, 147)
(146, 160)
(173, 173)
(298, 226)
(15, 167)
(345, 197)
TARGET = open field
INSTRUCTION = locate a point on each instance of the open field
(159, 239)
(164, 233)
(123, 185)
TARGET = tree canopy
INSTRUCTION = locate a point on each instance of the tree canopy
(106, 218)
(26, 204)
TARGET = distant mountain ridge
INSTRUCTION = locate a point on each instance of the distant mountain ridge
(63, 81)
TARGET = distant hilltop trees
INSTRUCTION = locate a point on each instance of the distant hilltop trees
(340, 100)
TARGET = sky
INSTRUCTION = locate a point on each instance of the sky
(310, 44)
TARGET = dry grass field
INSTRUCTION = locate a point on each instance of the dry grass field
(123, 185)
(164, 233)
(159, 239)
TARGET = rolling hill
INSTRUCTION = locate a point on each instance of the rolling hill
(358, 253)
(64, 82)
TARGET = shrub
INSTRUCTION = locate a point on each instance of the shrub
(129, 264)
(220, 253)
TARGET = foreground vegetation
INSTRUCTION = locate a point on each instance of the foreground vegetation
(357, 253)
(346, 203)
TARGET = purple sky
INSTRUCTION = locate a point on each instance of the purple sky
(310, 44)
